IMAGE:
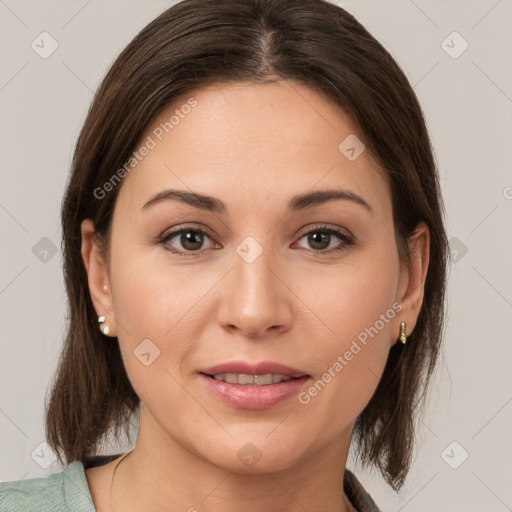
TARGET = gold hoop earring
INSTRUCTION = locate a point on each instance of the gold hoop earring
(403, 337)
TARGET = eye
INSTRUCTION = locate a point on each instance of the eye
(190, 239)
(321, 237)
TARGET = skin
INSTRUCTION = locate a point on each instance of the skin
(253, 147)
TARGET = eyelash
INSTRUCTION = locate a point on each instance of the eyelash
(320, 228)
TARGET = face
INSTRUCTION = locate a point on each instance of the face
(254, 276)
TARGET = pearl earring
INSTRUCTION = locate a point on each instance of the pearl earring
(106, 329)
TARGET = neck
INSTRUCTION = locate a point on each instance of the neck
(161, 474)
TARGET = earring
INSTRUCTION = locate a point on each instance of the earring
(105, 330)
(403, 337)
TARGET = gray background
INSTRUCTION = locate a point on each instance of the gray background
(467, 102)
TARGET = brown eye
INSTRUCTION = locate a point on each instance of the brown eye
(191, 240)
(321, 238)
(185, 241)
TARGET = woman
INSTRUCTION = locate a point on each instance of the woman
(255, 261)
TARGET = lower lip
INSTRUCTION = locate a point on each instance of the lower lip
(254, 396)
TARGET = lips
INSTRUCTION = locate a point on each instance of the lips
(245, 368)
(253, 386)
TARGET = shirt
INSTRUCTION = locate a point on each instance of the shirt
(68, 490)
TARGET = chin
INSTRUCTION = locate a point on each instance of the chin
(254, 457)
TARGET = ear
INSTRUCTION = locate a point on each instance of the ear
(97, 278)
(412, 280)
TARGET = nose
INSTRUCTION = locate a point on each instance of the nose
(255, 299)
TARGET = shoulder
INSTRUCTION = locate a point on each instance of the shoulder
(62, 492)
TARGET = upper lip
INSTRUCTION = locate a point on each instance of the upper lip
(246, 368)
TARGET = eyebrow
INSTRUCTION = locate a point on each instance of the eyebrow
(298, 202)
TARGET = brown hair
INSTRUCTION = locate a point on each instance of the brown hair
(196, 43)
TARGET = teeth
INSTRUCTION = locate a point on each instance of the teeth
(258, 380)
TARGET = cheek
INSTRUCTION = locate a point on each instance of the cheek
(156, 302)
(152, 298)
(353, 354)
(150, 317)
(358, 297)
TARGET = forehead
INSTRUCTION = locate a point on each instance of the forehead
(276, 139)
